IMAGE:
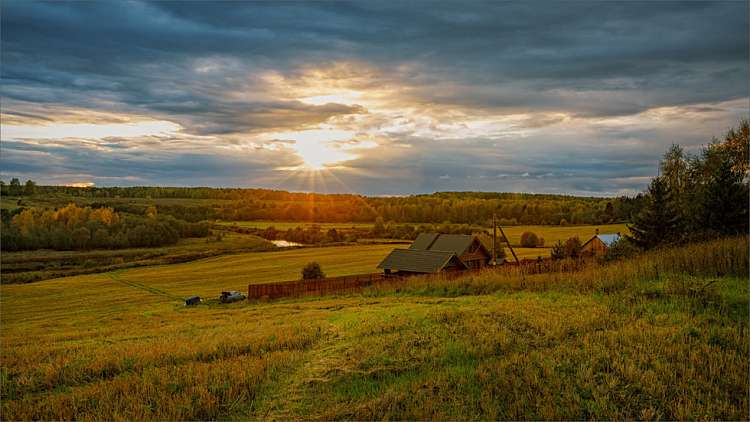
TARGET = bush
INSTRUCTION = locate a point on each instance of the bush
(312, 270)
(558, 250)
(573, 247)
(620, 249)
(530, 240)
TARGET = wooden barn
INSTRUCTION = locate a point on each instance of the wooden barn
(434, 252)
(599, 244)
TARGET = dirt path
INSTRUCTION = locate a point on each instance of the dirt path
(285, 400)
(116, 276)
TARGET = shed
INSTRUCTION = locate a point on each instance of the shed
(599, 244)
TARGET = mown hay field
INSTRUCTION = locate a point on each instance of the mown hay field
(663, 337)
(31, 266)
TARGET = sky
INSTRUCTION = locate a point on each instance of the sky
(377, 98)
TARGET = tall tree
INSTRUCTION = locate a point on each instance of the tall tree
(29, 188)
(674, 169)
(726, 200)
(15, 187)
(659, 221)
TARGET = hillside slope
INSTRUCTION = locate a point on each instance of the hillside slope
(664, 337)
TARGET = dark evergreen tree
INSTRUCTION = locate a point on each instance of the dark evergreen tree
(659, 221)
(726, 200)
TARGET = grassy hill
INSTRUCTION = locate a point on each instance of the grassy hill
(664, 336)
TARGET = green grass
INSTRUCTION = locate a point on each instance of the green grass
(663, 337)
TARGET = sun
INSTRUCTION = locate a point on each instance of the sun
(319, 155)
(319, 148)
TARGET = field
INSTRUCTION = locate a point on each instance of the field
(552, 234)
(29, 266)
(662, 337)
(286, 225)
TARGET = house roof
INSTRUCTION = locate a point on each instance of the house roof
(456, 243)
(419, 261)
(607, 239)
(424, 241)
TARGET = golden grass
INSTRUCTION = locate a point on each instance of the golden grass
(30, 266)
(644, 339)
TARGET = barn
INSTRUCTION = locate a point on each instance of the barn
(434, 252)
(599, 244)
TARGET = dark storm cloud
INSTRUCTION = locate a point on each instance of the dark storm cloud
(531, 53)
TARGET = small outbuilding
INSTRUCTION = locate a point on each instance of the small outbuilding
(599, 244)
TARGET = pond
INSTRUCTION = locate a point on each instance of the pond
(285, 243)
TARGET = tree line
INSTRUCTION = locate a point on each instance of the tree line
(80, 228)
(259, 204)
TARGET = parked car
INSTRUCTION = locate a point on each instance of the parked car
(231, 296)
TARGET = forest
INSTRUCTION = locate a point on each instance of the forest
(259, 204)
(80, 228)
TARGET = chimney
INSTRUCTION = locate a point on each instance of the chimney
(597, 231)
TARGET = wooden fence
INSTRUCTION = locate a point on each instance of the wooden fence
(314, 287)
(354, 283)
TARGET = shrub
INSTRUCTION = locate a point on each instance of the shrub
(558, 250)
(312, 270)
(573, 247)
(530, 240)
(623, 248)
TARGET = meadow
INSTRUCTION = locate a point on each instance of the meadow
(31, 266)
(664, 336)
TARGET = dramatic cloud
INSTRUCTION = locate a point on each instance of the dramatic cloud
(378, 98)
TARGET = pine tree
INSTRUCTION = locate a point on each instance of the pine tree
(659, 221)
(726, 201)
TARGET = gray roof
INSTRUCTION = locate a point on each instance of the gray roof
(423, 241)
(456, 243)
(608, 239)
(418, 261)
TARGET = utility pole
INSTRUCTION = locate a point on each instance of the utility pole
(509, 245)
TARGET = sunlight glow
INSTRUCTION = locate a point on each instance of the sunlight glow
(320, 155)
(346, 97)
(319, 148)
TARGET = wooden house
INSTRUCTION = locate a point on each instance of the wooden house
(599, 244)
(434, 252)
